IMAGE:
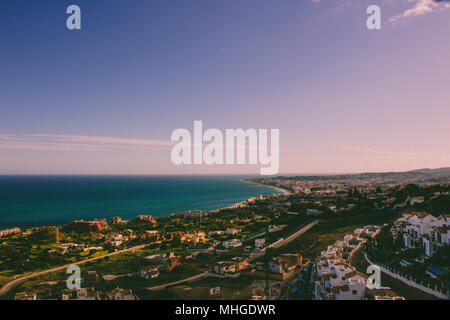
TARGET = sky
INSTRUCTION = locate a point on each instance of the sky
(105, 99)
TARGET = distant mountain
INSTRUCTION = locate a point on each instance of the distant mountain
(441, 175)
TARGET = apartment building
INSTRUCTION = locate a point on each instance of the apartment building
(422, 230)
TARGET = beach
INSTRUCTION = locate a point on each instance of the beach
(281, 190)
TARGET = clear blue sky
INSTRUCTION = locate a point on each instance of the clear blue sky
(106, 98)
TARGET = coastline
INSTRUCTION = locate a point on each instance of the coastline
(281, 190)
(220, 206)
(235, 205)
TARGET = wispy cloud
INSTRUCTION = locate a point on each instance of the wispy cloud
(75, 143)
(420, 8)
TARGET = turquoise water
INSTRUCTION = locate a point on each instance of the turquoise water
(44, 200)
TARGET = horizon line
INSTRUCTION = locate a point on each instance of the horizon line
(213, 174)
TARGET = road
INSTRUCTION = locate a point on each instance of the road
(400, 288)
(295, 235)
(292, 237)
(11, 285)
(162, 286)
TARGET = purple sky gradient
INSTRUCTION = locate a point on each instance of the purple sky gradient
(105, 100)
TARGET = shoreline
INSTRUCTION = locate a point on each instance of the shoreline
(232, 206)
(283, 191)
(235, 205)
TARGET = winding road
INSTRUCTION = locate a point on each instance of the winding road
(5, 290)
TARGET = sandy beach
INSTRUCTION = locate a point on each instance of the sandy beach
(284, 191)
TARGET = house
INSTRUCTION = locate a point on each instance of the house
(234, 265)
(240, 263)
(414, 200)
(120, 294)
(285, 263)
(80, 294)
(348, 237)
(383, 294)
(313, 212)
(195, 237)
(217, 232)
(116, 220)
(260, 243)
(232, 231)
(145, 219)
(223, 267)
(149, 272)
(25, 296)
(232, 243)
(91, 277)
(164, 262)
(338, 281)
(171, 262)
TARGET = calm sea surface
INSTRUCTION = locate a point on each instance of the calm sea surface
(38, 200)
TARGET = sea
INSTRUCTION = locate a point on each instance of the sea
(28, 201)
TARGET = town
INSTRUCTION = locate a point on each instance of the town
(314, 241)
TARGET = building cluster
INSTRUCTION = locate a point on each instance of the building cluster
(281, 267)
(87, 291)
(116, 239)
(7, 232)
(422, 230)
(231, 266)
(92, 294)
(162, 262)
(146, 219)
(87, 226)
(191, 237)
(336, 279)
(233, 243)
(74, 247)
(192, 214)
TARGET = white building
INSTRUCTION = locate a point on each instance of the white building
(149, 272)
(335, 278)
(233, 231)
(260, 243)
(232, 243)
(285, 263)
(422, 230)
(338, 281)
(414, 200)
